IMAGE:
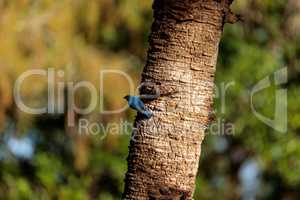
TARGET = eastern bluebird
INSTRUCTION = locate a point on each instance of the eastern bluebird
(137, 104)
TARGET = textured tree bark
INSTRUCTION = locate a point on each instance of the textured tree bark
(183, 48)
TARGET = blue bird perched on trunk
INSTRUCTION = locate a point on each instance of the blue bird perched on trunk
(137, 104)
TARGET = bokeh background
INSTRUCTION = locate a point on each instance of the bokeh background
(41, 158)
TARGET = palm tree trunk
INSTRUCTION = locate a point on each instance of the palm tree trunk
(165, 150)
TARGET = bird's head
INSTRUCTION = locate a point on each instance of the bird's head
(126, 97)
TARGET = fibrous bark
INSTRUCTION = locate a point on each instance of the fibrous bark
(183, 47)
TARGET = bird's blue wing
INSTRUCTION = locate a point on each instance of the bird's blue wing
(141, 105)
(137, 104)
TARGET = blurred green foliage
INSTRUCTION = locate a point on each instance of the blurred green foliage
(83, 37)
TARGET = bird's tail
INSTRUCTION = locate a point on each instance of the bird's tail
(148, 114)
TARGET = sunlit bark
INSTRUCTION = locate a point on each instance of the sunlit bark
(183, 47)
